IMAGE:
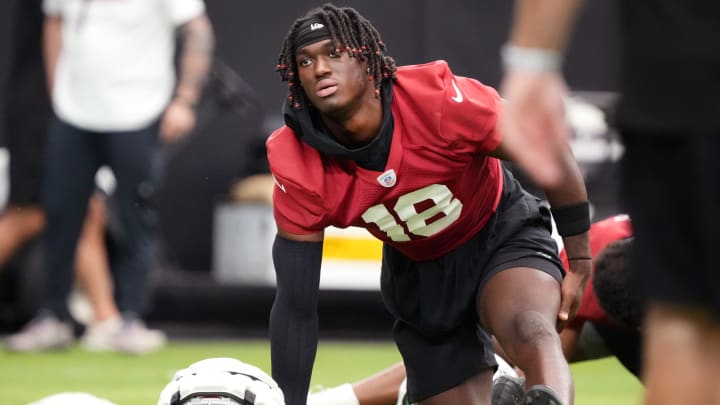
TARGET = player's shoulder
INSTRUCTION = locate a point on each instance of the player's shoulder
(282, 139)
(428, 76)
(286, 150)
(292, 162)
(433, 85)
(461, 109)
(435, 67)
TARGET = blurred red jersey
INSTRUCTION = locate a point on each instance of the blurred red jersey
(438, 188)
(602, 233)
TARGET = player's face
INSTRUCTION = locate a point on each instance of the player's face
(334, 82)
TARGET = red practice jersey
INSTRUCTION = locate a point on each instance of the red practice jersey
(602, 233)
(438, 188)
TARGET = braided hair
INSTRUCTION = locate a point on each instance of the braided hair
(351, 33)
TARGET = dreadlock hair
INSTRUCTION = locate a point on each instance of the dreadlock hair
(351, 33)
(614, 285)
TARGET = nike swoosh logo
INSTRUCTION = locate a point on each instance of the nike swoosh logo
(458, 97)
(280, 186)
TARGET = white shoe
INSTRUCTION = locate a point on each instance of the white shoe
(136, 338)
(102, 336)
(122, 335)
(43, 332)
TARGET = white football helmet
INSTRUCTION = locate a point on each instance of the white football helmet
(504, 368)
(221, 381)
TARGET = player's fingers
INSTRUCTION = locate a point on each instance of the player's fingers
(565, 312)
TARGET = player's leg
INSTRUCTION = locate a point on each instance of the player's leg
(687, 373)
(71, 165)
(72, 160)
(18, 224)
(381, 388)
(519, 306)
(378, 389)
(91, 263)
(133, 158)
(519, 296)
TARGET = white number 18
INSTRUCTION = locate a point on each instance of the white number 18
(416, 222)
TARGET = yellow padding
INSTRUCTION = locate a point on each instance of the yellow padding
(352, 248)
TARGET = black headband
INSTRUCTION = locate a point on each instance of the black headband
(311, 30)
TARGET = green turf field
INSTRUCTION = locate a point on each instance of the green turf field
(128, 380)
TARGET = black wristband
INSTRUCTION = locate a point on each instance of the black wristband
(572, 219)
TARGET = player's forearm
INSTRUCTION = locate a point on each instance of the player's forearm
(52, 42)
(294, 319)
(572, 189)
(568, 201)
(544, 24)
(195, 60)
(293, 344)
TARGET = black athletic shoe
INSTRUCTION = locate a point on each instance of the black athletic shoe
(508, 390)
(541, 395)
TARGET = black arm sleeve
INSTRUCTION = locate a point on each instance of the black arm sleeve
(294, 317)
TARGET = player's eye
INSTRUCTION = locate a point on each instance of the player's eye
(303, 62)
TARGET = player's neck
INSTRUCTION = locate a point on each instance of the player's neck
(359, 128)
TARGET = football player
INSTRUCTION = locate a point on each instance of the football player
(412, 154)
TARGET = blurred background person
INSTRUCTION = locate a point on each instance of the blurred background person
(28, 113)
(669, 120)
(112, 79)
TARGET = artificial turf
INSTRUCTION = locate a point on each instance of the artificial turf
(133, 380)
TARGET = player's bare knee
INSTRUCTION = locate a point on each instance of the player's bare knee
(533, 331)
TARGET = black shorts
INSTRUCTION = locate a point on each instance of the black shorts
(433, 302)
(671, 186)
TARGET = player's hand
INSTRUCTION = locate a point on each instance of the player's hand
(178, 120)
(533, 124)
(573, 287)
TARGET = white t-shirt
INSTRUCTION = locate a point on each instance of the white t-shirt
(115, 71)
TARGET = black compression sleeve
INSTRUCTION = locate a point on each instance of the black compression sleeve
(294, 318)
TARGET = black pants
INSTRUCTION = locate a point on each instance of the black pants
(671, 187)
(73, 157)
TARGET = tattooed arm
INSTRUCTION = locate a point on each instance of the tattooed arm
(198, 43)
